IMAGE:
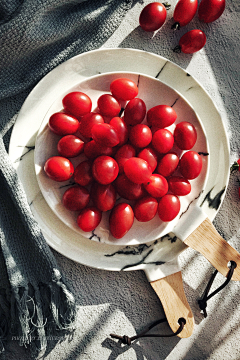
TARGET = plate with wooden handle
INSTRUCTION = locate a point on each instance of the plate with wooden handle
(69, 74)
(153, 92)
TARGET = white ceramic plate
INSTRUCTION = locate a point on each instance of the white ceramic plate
(69, 74)
(153, 92)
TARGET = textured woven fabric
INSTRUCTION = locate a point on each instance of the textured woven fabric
(36, 36)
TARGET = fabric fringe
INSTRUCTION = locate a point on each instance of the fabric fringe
(33, 315)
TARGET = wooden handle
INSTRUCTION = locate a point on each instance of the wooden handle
(206, 240)
(171, 293)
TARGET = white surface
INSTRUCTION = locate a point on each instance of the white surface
(123, 302)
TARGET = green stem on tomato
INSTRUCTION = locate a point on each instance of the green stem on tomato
(167, 5)
(177, 49)
(176, 26)
(234, 167)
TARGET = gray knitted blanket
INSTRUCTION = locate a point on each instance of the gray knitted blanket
(36, 36)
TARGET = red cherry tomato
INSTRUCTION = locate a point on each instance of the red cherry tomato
(76, 198)
(128, 189)
(123, 89)
(184, 12)
(161, 116)
(105, 135)
(121, 128)
(162, 141)
(108, 105)
(168, 164)
(190, 165)
(77, 103)
(168, 207)
(152, 16)
(145, 209)
(179, 185)
(70, 146)
(59, 168)
(137, 170)
(93, 149)
(87, 122)
(123, 154)
(121, 220)
(83, 173)
(156, 186)
(135, 111)
(89, 218)
(105, 169)
(210, 10)
(191, 42)
(103, 196)
(185, 135)
(140, 135)
(63, 124)
(150, 156)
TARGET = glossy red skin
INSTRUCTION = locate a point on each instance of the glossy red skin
(76, 198)
(185, 135)
(121, 220)
(140, 135)
(162, 141)
(123, 89)
(105, 135)
(128, 189)
(103, 196)
(59, 168)
(179, 185)
(83, 173)
(135, 111)
(161, 116)
(121, 128)
(145, 209)
(168, 207)
(150, 156)
(167, 164)
(192, 41)
(185, 11)
(210, 10)
(77, 103)
(156, 186)
(93, 150)
(87, 122)
(108, 105)
(63, 124)
(70, 146)
(105, 169)
(123, 154)
(190, 165)
(89, 218)
(153, 16)
(137, 170)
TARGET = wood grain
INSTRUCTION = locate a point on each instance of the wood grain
(171, 293)
(206, 240)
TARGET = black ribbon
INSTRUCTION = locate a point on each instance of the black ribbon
(128, 340)
(203, 301)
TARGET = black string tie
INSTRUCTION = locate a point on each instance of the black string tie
(126, 340)
(203, 301)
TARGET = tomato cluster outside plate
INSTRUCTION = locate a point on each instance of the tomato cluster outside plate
(143, 166)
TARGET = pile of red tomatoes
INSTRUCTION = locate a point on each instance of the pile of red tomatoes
(129, 168)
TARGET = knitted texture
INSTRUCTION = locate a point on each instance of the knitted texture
(36, 36)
